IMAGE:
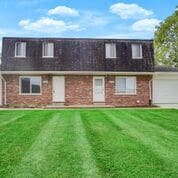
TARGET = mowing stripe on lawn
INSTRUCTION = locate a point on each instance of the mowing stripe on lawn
(170, 120)
(62, 144)
(163, 134)
(97, 131)
(152, 126)
(118, 154)
(11, 120)
(34, 159)
(17, 138)
(147, 138)
(89, 166)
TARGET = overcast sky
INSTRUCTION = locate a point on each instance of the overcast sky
(83, 18)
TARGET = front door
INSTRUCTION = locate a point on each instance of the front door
(58, 89)
(98, 89)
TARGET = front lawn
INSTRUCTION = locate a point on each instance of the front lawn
(89, 143)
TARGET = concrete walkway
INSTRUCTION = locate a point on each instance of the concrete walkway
(173, 106)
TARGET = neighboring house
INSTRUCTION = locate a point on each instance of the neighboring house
(118, 72)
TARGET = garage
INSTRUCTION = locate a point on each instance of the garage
(165, 88)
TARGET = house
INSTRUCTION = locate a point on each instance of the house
(68, 71)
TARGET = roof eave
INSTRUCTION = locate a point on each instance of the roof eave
(75, 73)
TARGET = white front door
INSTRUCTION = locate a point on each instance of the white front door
(98, 89)
(58, 89)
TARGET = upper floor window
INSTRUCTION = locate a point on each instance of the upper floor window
(48, 49)
(136, 51)
(20, 49)
(110, 49)
(126, 85)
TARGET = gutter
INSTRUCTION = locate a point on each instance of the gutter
(87, 73)
(166, 73)
(4, 88)
(76, 73)
(150, 91)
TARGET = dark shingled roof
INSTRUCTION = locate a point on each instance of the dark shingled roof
(162, 68)
(77, 54)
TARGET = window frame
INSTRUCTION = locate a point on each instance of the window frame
(141, 54)
(16, 50)
(112, 57)
(43, 50)
(20, 84)
(125, 77)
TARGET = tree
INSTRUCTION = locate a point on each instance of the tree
(166, 41)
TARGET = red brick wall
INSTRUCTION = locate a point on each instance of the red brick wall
(140, 99)
(14, 98)
(78, 90)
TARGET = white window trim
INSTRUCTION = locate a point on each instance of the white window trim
(31, 94)
(141, 55)
(112, 57)
(16, 49)
(120, 77)
(43, 56)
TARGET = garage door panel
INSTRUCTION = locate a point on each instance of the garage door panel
(165, 91)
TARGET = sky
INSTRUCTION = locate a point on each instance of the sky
(83, 18)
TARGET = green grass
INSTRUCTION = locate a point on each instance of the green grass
(89, 143)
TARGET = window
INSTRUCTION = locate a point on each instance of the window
(30, 85)
(48, 49)
(110, 50)
(136, 51)
(20, 49)
(126, 85)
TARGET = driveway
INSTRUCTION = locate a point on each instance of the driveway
(174, 106)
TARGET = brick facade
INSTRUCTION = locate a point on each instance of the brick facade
(78, 91)
(14, 98)
(140, 99)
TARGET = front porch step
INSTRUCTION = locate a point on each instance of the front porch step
(90, 106)
(79, 106)
(56, 105)
(99, 103)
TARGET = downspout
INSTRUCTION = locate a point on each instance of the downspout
(4, 89)
(150, 92)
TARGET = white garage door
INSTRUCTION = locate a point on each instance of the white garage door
(165, 91)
